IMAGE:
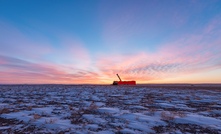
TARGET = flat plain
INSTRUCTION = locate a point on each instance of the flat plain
(107, 109)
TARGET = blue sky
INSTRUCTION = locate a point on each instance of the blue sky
(91, 41)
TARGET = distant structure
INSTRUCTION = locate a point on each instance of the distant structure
(123, 82)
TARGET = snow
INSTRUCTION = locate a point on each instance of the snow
(49, 122)
(200, 120)
(3, 104)
(165, 105)
(138, 117)
(105, 132)
(23, 115)
(92, 127)
(94, 119)
(137, 107)
(43, 110)
(89, 116)
(5, 127)
(127, 131)
(99, 104)
(140, 126)
(108, 109)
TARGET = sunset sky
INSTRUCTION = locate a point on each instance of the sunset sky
(89, 41)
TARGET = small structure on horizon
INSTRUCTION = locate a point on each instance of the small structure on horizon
(123, 82)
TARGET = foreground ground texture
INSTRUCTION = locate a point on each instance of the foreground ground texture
(109, 109)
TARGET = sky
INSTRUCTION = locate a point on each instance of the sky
(90, 41)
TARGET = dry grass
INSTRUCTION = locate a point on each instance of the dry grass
(4, 111)
(187, 98)
(70, 107)
(150, 101)
(181, 114)
(198, 98)
(36, 116)
(152, 110)
(167, 116)
(29, 108)
(170, 115)
(169, 99)
(93, 106)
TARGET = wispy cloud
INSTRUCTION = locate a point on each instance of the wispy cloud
(189, 54)
(23, 60)
(15, 70)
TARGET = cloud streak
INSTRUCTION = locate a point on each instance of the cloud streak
(15, 70)
(192, 53)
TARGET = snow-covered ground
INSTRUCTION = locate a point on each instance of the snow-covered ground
(109, 109)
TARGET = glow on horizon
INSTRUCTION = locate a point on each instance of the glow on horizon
(75, 42)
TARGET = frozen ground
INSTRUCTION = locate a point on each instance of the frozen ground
(109, 109)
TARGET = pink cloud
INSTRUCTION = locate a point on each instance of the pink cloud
(31, 67)
(15, 71)
(192, 53)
